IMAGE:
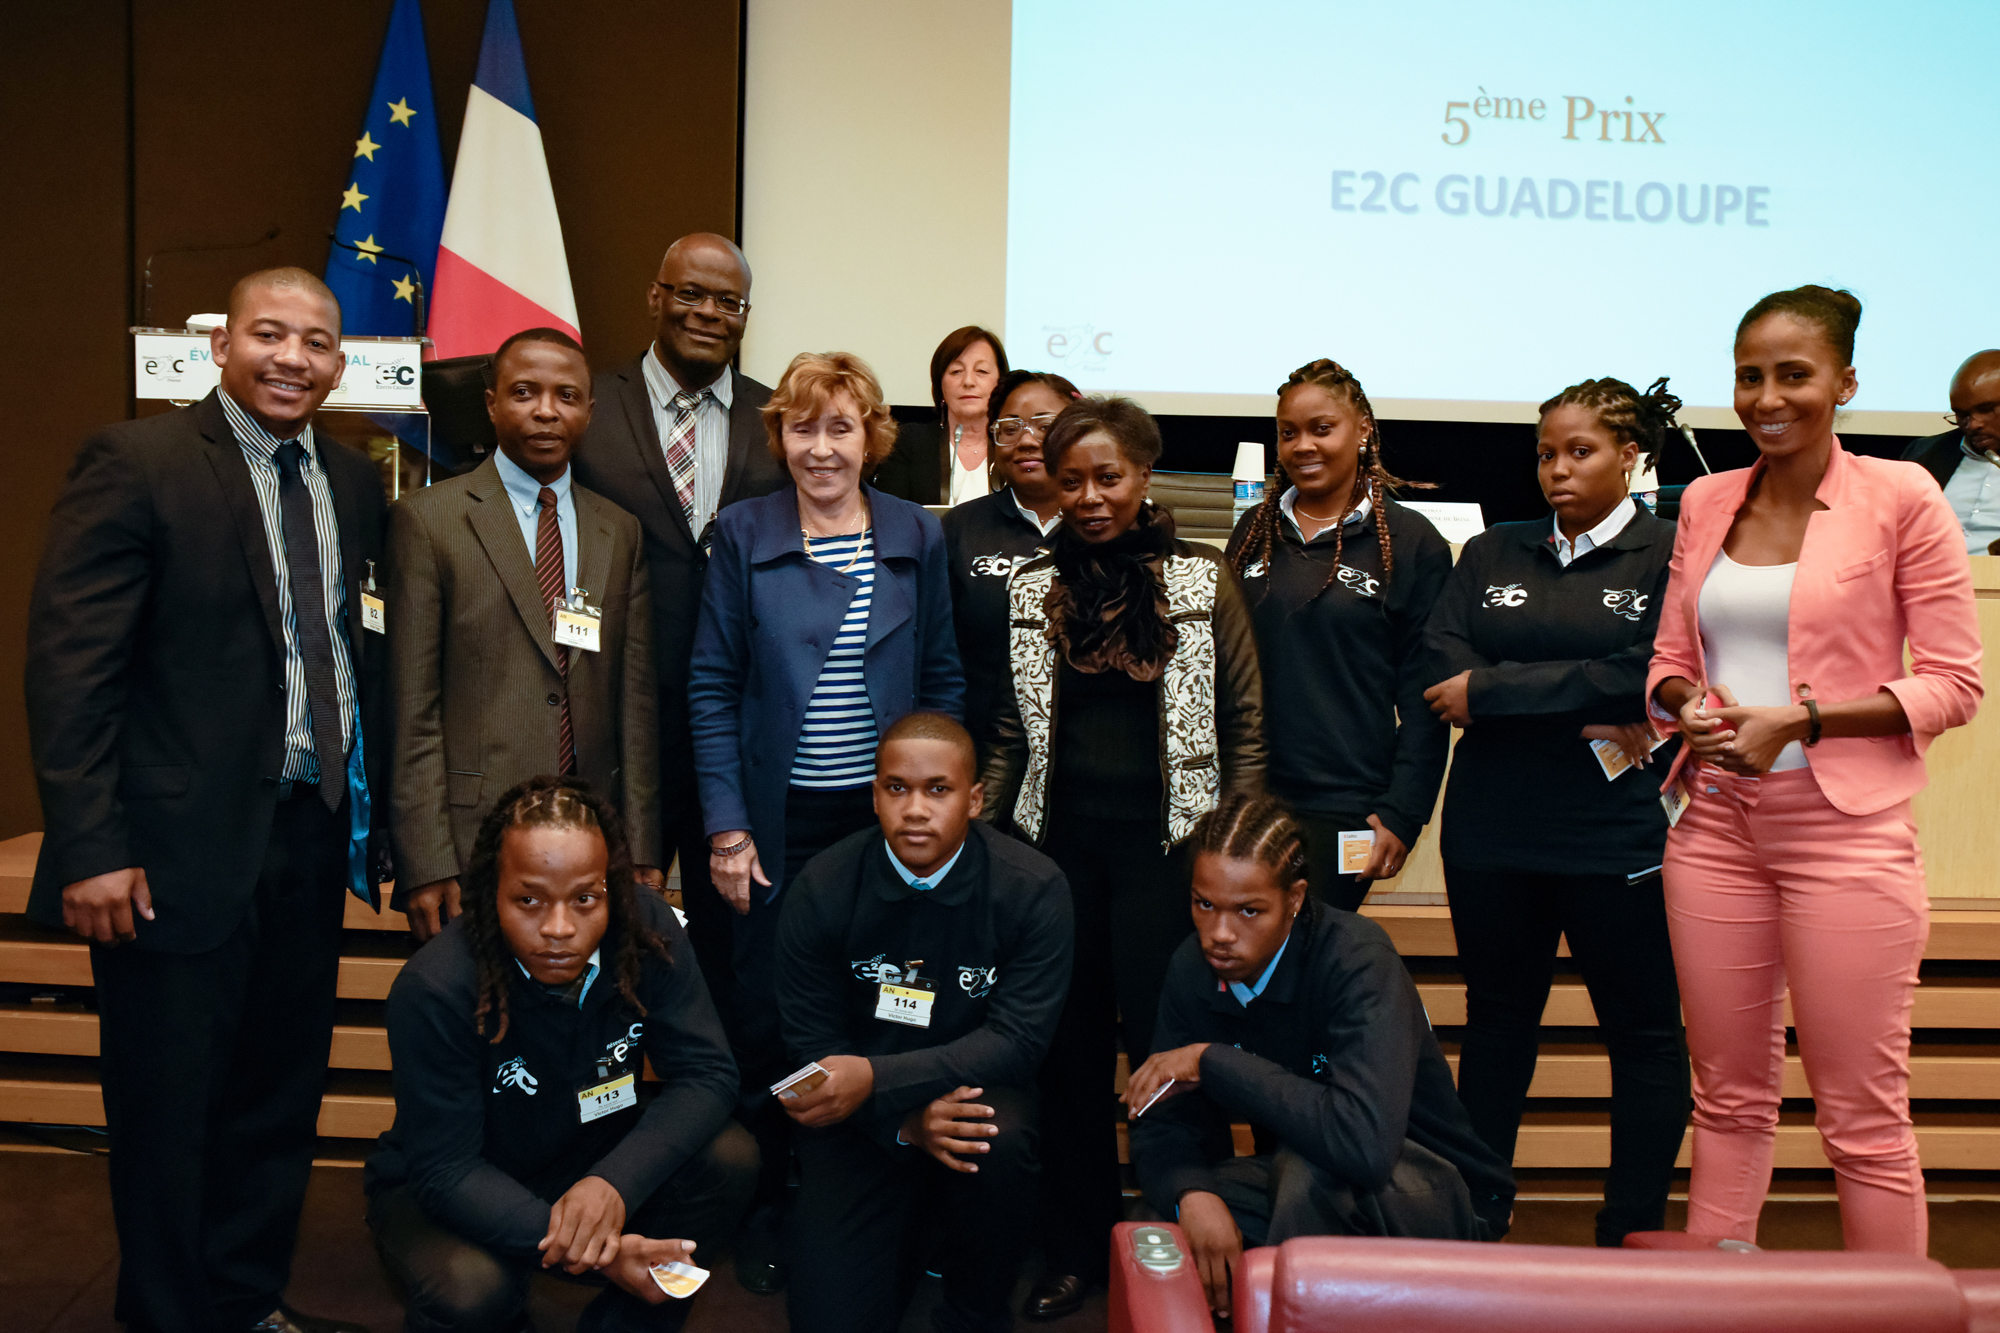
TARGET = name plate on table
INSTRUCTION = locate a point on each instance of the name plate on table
(383, 374)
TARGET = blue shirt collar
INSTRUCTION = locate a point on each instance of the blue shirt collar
(588, 977)
(930, 881)
(523, 491)
(1244, 994)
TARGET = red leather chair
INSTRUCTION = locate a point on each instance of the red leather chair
(1415, 1286)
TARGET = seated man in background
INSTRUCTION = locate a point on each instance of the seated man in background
(519, 1034)
(1324, 1048)
(1966, 459)
(923, 966)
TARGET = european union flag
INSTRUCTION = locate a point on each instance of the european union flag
(394, 202)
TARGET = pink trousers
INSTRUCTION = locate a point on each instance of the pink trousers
(1767, 884)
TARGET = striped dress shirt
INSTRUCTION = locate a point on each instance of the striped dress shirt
(260, 450)
(837, 744)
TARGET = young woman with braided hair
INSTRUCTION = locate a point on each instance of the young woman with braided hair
(1358, 1129)
(1541, 640)
(518, 1034)
(1340, 579)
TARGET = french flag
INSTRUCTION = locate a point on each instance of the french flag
(500, 265)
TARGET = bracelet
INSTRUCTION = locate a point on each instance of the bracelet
(732, 849)
(1812, 712)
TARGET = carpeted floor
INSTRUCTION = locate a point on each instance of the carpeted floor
(59, 1260)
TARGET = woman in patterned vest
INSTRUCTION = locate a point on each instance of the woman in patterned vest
(1133, 701)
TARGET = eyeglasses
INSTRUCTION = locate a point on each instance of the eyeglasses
(695, 298)
(1011, 430)
(1964, 419)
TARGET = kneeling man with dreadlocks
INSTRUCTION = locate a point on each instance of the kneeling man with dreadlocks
(923, 965)
(1301, 1019)
(519, 1036)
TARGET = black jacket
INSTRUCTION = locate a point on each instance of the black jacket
(1336, 1058)
(994, 936)
(488, 1135)
(985, 540)
(1551, 650)
(917, 469)
(156, 669)
(1940, 455)
(1343, 661)
(620, 458)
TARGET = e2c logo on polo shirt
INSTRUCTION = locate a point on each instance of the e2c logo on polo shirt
(1511, 594)
(514, 1074)
(1359, 583)
(1627, 602)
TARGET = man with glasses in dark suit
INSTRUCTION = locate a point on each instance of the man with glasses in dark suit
(677, 435)
(1966, 459)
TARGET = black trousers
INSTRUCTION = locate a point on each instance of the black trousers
(1130, 900)
(1323, 878)
(1508, 923)
(868, 1217)
(814, 821)
(711, 922)
(453, 1285)
(213, 1064)
(1279, 1195)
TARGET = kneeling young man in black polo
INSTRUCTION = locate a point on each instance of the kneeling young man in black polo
(1300, 1019)
(923, 966)
(519, 1034)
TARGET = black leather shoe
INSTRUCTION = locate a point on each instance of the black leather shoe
(285, 1319)
(1055, 1297)
(759, 1269)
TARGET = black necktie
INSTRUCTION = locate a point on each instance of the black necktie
(302, 563)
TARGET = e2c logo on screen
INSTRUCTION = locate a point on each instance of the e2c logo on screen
(1078, 348)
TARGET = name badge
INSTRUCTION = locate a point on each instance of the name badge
(907, 1002)
(1356, 846)
(1676, 800)
(577, 623)
(373, 614)
(607, 1098)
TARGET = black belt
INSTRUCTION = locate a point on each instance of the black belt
(292, 789)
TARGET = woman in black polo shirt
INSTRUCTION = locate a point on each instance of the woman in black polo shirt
(987, 539)
(1340, 579)
(1541, 640)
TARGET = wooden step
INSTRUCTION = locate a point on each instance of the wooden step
(55, 1093)
(36, 1030)
(1588, 1145)
(1932, 1077)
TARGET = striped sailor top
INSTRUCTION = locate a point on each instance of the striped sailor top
(837, 743)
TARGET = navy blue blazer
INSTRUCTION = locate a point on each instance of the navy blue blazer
(768, 619)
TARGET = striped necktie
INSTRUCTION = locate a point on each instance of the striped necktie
(549, 570)
(681, 455)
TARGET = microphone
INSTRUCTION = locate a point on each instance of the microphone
(1687, 433)
(146, 302)
(416, 276)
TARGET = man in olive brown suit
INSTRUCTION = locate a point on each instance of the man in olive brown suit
(520, 631)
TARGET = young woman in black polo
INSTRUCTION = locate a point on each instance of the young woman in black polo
(1540, 642)
(1340, 579)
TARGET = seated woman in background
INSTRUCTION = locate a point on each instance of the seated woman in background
(947, 463)
(825, 616)
(1542, 636)
(1340, 580)
(518, 1034)
(1338, 1071)
(1797, 584)
(986, 539)
(1132, 703)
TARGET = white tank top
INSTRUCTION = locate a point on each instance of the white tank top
(1746, 611)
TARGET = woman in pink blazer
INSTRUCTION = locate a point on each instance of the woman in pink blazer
(1794, 588)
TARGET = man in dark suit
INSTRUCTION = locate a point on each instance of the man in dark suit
(677, 434)
(487, 692)
(205, 713)
(1966, 459)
